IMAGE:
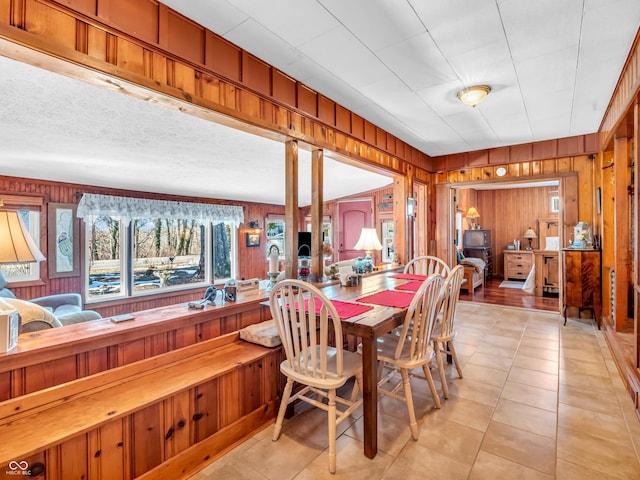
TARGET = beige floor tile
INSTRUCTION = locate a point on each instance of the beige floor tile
(416, 462)
(491, 360)
(393, 433)
(477, 391)
(589, 354)
(480, 373)
(526, 417)
(493, 467)
(465, 412)
(590, 422)
(538, 364)
(537, 352)
(587, 368)
(611, 457)
(526, 448)
(534, 378)
(569, 471)
(312, 426)
(451, 439)
(602, 385)
(588, 400)
(539, 343)
(529, 395)
(351, 464)
(283, 459)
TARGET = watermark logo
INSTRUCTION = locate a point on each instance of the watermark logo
(18, 468)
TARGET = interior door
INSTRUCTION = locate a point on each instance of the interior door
(352, 217)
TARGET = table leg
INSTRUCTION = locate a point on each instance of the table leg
(370, 396)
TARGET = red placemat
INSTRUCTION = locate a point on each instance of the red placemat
(410, 286)
(345, 309)
(389, 298)
(409, 276)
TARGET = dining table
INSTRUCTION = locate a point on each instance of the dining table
(387, 295)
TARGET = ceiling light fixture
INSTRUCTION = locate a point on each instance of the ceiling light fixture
(472, 96)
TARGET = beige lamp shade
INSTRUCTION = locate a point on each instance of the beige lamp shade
(472, 213)
(530, 233)
(16, 245)
(368, 241)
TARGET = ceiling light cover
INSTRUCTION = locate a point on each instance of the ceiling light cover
(472, 96)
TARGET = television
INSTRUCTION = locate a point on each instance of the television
(304, 244)
(476, 239)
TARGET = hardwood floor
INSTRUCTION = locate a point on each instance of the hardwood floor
(510, 297)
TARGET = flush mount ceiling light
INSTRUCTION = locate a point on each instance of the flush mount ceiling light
(472, 96)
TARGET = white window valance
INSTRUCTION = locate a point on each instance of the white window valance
(126, 209)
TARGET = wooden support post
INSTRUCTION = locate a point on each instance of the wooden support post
(317, 186)
(621, 238)
(403, 225)
(636, 227)
(291, 210)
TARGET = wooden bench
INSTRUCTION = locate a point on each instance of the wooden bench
(161, 417)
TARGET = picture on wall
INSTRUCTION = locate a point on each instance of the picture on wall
(252, 239)
(63, 240)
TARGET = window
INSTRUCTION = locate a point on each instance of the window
(29, 209)
(166, 254)
(132, 254)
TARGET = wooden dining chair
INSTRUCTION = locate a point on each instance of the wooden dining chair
(412, 348)
(310, 360)
(444, 331)
(427, 265)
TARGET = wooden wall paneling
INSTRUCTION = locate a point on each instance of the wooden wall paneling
(208, 330)
(130, 56)
(223, 57)
(521, 153)
(177, 421)
(132, 351)
(206, 406)
(622, 180)
(543, 149)
(444, 234)
(76, 448)
(251, 387)
(229, 324)
(54, 372)
(139, 18)
(147, 438)
(186, 336)
(5, 386)
(256, 74)
(569, 213)
(564, 164)
(307, 100)
(51, 24)
(108, 451)
(608, 232)
(229, 393)
(283, 88)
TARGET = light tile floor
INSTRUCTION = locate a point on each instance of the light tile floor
(538, 401)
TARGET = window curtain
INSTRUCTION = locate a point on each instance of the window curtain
(126, 209)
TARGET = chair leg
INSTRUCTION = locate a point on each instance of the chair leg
(413, 424)
(283, 408)
(432, 386)
(452, 350)
(357, 387)
(332, 430)
(443, 376)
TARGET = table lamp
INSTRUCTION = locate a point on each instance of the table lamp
(530, 234)
(368, 242)
(472, 216)
(16, 245)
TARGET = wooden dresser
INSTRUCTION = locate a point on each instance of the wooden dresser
(517, 264)
(581, 281)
